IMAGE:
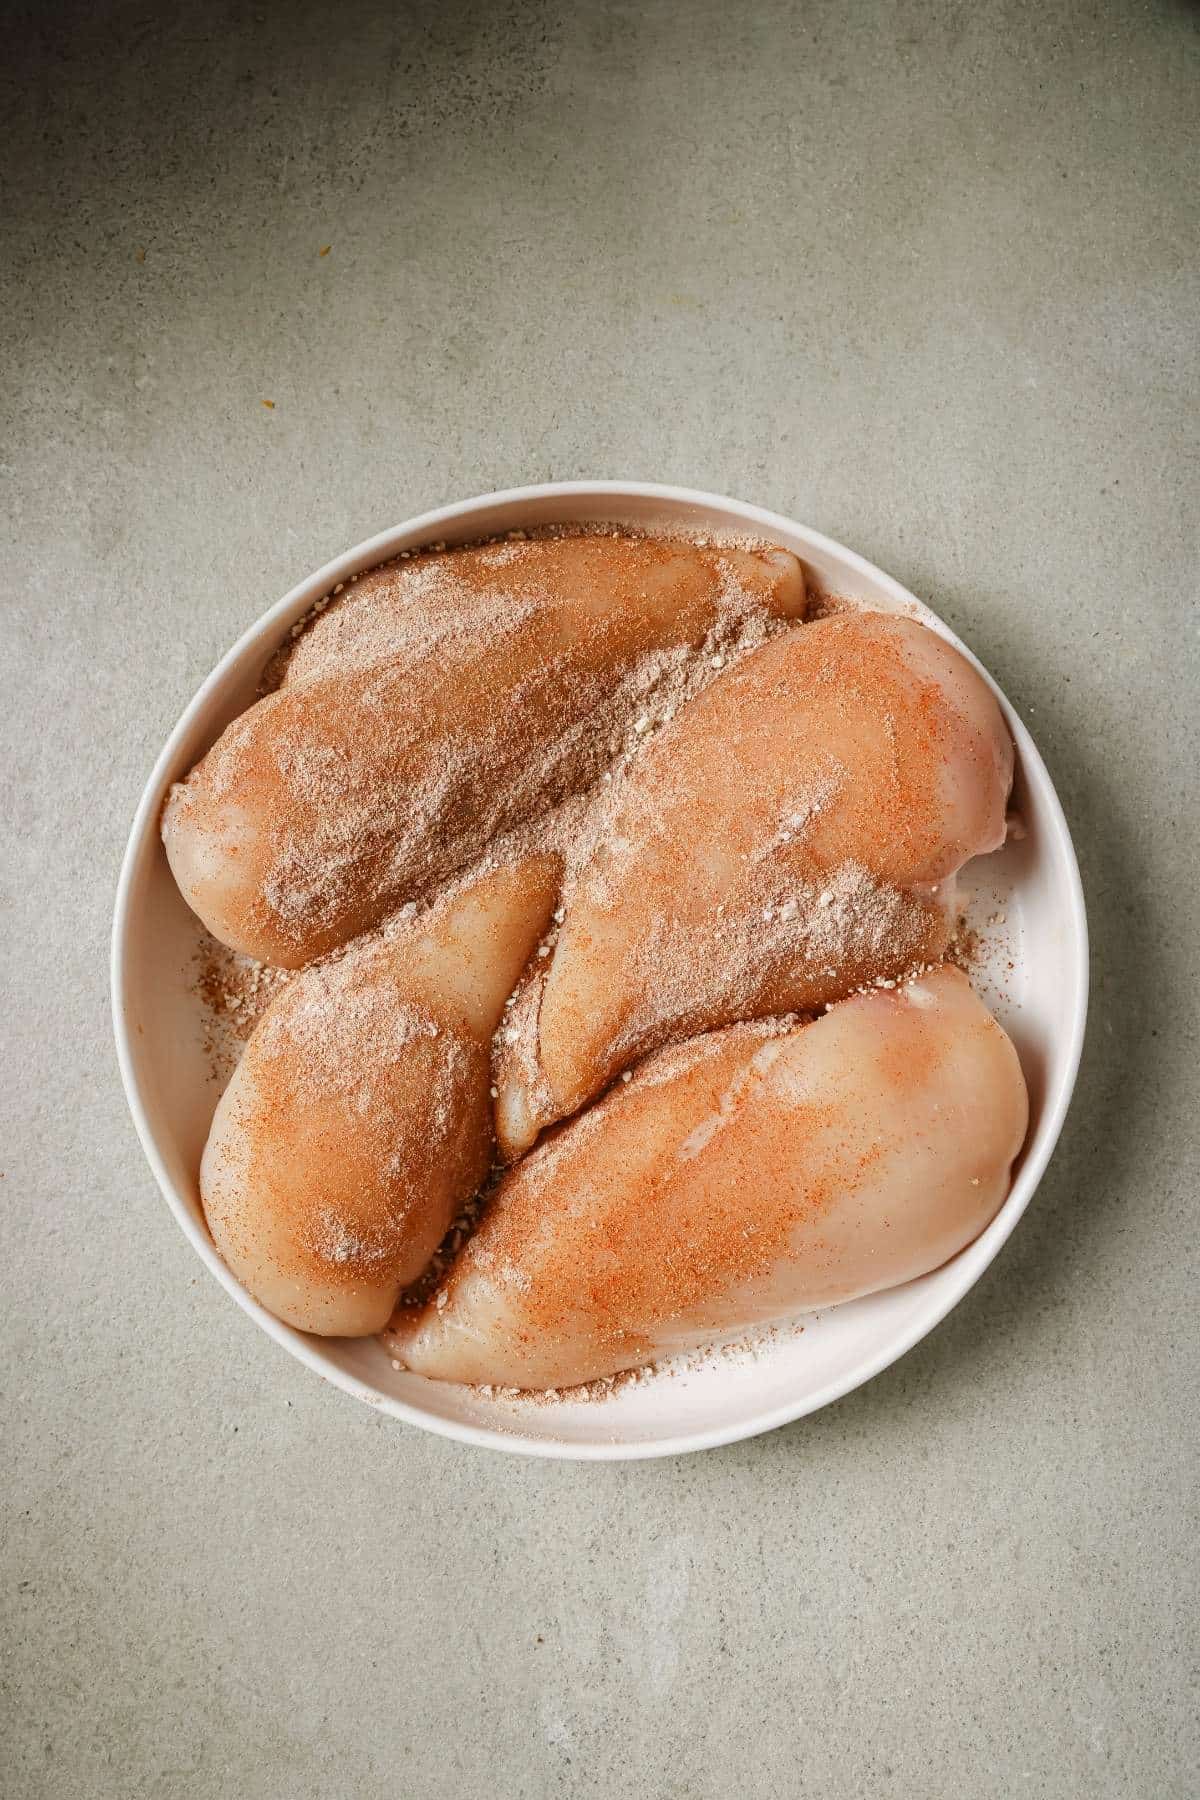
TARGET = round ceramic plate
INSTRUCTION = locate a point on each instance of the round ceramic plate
(1033, 975)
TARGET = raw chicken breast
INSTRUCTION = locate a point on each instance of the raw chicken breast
(358, 1120)
(445, 700)
(743, 1177)
(790, 835)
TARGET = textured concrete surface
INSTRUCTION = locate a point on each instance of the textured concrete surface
(923, 275)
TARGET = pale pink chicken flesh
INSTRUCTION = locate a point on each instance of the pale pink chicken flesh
(440, 702)
(358, 1120)
(743, 1178)
(791, 834)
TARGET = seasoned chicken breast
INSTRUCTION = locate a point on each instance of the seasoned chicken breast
(741, 1178)
(792, 833)
(440, 702)
(358, 1120)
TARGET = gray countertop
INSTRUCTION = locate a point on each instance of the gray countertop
(922, 275)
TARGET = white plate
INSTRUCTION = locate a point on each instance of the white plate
(1042, 1002)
